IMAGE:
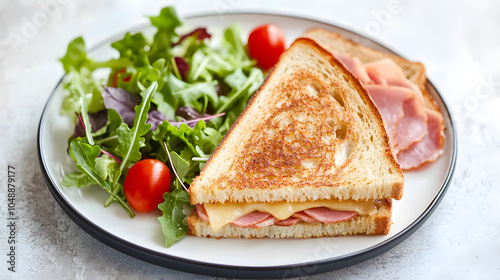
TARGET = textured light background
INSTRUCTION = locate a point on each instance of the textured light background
(458, 41)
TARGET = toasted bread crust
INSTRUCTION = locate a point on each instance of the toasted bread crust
(414, 71)
(378, 223)
(256, 159)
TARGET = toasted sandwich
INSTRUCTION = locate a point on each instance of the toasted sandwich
(308, 157)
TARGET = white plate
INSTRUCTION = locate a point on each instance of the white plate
(142, 237)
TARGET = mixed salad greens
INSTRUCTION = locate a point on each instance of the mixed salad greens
(171, 98)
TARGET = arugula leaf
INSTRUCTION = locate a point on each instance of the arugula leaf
(131, 140)
(85, 157)
(176, 137)
(172, 220)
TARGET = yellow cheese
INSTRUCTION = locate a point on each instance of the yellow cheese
(221, 214)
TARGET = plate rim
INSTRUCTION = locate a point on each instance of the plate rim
(223, 270)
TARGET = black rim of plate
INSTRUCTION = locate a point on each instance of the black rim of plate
(282, 271)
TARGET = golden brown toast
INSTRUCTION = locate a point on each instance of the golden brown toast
(311, 132)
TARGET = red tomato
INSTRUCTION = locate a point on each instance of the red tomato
(265, 44)
(145, 184)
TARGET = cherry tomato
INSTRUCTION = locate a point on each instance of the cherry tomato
(145, 183)
(115, 77)
(265, 44)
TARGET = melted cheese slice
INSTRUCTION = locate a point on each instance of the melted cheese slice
(222, 214)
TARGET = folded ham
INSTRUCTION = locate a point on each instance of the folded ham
(429, 149)
(414, 139)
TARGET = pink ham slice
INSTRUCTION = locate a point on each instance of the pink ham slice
(304, 217)
(354, 65)
(288, 222)
(413, 126)
(375, 76)
(267, 222)
(429, 148)
(251, 219)
(328, 216)
(389, 101)
(202, 213)
(392, 74)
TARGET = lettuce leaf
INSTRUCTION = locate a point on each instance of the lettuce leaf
(172, 221)
(86, 158)
(166, 22)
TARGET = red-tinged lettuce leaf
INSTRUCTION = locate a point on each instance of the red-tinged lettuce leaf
(191, 116)
(200, 33)
(189, 113)
(172, 220)
(124, 103)
(182, 66)
(97, 121)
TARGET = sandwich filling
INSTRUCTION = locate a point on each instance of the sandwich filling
(259, 215)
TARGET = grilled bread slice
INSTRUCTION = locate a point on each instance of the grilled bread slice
(335, 42)
(311, 132)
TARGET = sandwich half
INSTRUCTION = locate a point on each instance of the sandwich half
(308, 157)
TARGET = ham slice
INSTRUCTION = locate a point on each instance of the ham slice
(413, 126)
(354, 65)
(430, 148)
(328, 216)
(375, 76)
(392, 74)
(202, 213)
(389, 101)
(288, 222)
(304, 217)
(267, 222)
(250, 220)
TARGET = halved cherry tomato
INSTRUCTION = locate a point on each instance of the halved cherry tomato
(115, 77)
(265, 44)
(145, 183)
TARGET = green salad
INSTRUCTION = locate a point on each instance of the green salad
(171, 98)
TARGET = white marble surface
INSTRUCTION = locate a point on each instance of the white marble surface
(459, 43)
